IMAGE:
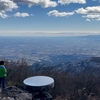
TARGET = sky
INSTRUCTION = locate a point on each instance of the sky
(49, 17)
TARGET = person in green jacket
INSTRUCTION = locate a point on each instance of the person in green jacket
(3, 74)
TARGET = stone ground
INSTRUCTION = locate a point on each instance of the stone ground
(14, 93)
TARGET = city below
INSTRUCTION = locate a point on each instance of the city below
(49, 50)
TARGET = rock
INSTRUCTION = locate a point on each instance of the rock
(14, 93)
(92, 97)
(23, 96)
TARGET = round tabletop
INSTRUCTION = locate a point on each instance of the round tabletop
(38, 81)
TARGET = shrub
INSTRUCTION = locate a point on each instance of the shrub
(67, 85)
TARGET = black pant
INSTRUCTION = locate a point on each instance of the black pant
(2, 82)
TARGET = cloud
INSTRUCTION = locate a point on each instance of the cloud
(88, 20)
(59, 14)
(89, 12)
(43, 3)
(3, 15)
(93, 10)
(98, 19)
(92, 16)
(9, 5)
(48, 33)
(71, 1)
(6, 5)
(18, 14)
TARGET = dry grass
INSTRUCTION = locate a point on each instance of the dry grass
(71, 86)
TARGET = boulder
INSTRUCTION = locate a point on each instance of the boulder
(14, 93)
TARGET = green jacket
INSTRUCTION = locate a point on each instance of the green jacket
(3, 71)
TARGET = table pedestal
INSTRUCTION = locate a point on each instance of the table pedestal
(41, 96)
(38, 86)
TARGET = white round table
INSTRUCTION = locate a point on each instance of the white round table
(39, 81)
(39, 84)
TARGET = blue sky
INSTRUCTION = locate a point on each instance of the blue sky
(49, 17)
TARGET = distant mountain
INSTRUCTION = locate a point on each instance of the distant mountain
(95, 59)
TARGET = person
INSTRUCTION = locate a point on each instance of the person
(3, 74)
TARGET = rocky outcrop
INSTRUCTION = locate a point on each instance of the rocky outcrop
(14, 93)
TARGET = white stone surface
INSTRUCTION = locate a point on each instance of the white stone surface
(39, 81)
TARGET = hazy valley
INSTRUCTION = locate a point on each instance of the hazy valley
(49, 50)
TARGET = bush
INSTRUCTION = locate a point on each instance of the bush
(77, 86)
